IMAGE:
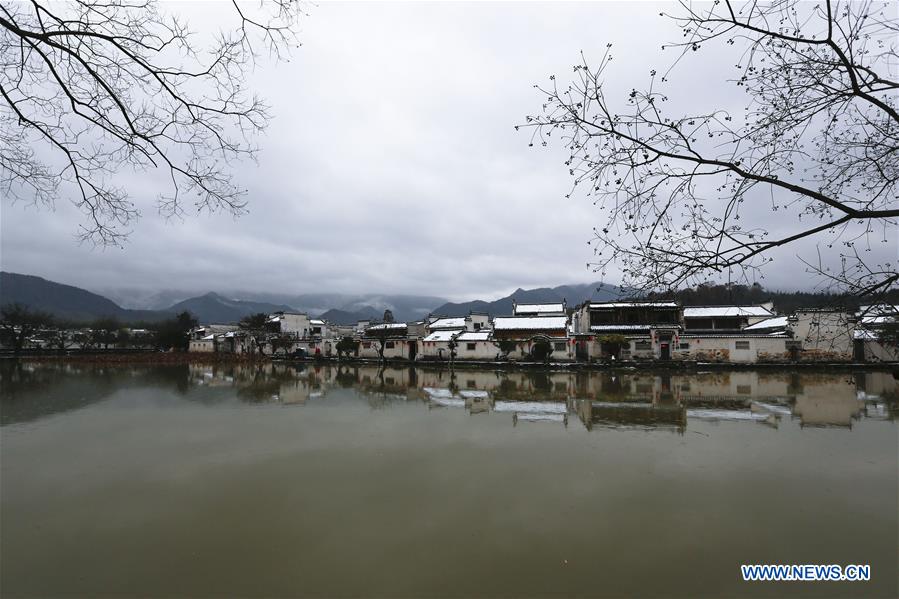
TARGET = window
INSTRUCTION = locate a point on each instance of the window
(477, 326)
(741, 345)
(470, 346)
(559, 346)
(744, 389)
(685, 345)
(366, 345)
(389, 345)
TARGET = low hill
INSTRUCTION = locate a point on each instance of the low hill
(346, 317)
(66, 301)
(572, 294)
(212, 307)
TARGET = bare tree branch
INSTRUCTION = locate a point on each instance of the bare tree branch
(90, 88)
(819, 138)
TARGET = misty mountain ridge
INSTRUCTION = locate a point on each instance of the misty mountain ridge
(404, 307)
(213, 307)
(66, 302)
(73, 303)
(571, 294)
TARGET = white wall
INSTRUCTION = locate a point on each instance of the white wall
(729, 349)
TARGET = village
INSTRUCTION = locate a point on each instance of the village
(620, 332)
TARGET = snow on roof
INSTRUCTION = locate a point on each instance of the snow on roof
(882, 319)
(879, 309)
(538, 308)
(209, 337)
(440, 336)
(737, 335)
(518, 323)
(633, 304)
(864, 334)
(317, 322)
(389, 325)
(778, 322)
(478, 336)
(621, 327)
(725, 311)
(448, 323)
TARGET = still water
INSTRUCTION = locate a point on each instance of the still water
(282, 481)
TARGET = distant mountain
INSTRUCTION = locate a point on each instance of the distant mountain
(345, 317)
(572, 294)
(146, 299)
(404, 307)
(65, 301)
(212, 307)
(73, 303)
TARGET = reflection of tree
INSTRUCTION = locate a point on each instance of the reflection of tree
(818, 135)
(262, 382)
(34, 390)
(90, 88)
(540, 381)
(347, 377)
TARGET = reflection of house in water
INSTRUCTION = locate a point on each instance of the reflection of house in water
(477, 402)
(879, 392)
(443, 398)
(636, 414)
(828, 404)
(263, 382)
(534, 411)
(607, 399)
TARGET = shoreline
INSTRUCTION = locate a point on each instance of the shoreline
(150, 357)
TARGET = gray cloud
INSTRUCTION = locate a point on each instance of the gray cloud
(392, 164)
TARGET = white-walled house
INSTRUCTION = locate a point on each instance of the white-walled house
(467, 345)
(455, 323)
(651, 329)
(295, 324)
(741, 348)
(775, 324)
(704, 319)
(526, 331)
(205, 338)
(439, 345)
(868, 337)
(824, 334)
(395, 343)
(475, 321)
(545, 309)
(477, 345)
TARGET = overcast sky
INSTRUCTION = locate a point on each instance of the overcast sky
(392, 164)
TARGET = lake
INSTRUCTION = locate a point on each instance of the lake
(281, 481)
